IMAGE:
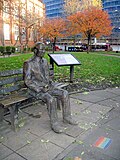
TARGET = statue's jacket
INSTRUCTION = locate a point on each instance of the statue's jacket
(36, 74)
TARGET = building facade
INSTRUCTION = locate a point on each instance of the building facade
(54, 8)
(113, 8)
(20, 21)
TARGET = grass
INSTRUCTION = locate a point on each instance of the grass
(16, 62)
(107, 53)
(95, 68)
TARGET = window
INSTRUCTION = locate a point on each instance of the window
(6, 31)
(16, 32)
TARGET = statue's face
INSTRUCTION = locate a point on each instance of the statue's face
(40, 50)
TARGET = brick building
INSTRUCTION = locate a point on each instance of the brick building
(20, 21)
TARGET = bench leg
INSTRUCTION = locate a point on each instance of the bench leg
(14, 117)
(58, 104)
(1, 112)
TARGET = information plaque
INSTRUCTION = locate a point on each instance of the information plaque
(64, 59)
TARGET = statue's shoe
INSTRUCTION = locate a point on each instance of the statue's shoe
(57, 128)
(70, 121)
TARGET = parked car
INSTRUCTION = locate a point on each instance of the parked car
(57, 48)
(76, 49)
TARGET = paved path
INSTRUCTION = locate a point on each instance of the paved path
(97, 137)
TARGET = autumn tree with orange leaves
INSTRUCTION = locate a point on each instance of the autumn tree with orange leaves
(92, 22)
(52, 29)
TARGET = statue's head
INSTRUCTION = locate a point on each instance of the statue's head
(39, 49)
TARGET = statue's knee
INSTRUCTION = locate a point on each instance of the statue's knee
(51, 99)
(65, 94)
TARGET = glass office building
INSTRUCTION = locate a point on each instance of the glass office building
(54, 8)
(113, 8)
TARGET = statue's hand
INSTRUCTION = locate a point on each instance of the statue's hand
(45, 88)
(38, 89)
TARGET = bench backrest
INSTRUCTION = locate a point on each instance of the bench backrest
(11, 81)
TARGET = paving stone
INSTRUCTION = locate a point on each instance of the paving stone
(113, 124)
(99, 109)
(4, 128)
(35, 109)
(87, 153)
(102, 93)
(117, 99)
(114, 90)
(22, 120)
(38, 150)
(87, 116)
(109, 103)
(65, 152)
(86, 124)
(109, 116)
(14, 156)
(88, 97)
(61, 140)
(113, 150)
(4, 151)
(38, 126)
(74, 131)
(77, 105)
(16, 140)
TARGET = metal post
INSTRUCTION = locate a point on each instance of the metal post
(71, 73)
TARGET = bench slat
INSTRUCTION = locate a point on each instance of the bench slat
(13, 100)
(11, 72)
(11, 88)
(10, 80)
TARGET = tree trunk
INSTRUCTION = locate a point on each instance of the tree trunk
(54, 43)
(1, 29)
(89, 42)
(74, 41)
(11, 25)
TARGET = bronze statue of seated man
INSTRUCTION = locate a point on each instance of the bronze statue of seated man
(36, 77)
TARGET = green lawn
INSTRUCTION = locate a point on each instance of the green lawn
(95, 68)
(109, 53)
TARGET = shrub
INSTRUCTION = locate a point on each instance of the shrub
(26, 49)
(8, 48)
(2, 49)
(32, 49)
(12, 49)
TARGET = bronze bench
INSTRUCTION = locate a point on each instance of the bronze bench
(13, 94)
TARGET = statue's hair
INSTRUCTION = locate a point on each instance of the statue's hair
(35, 49)
(38, 43)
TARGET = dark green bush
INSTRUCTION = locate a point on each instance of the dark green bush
(2, 49)
(32, 49)
(29, 49)
(8, 48)
(12, 49)
(26, 49)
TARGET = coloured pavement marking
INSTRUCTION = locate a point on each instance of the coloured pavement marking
(102, 142)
